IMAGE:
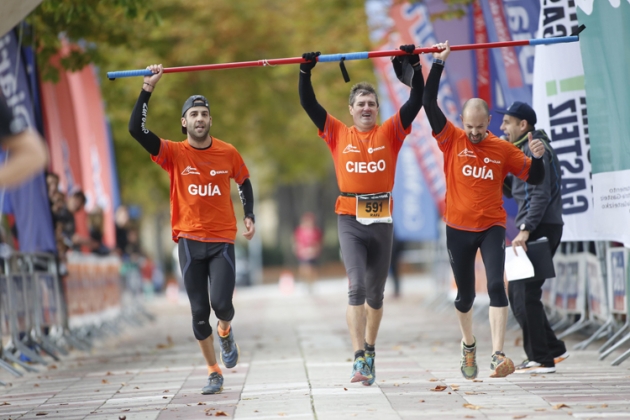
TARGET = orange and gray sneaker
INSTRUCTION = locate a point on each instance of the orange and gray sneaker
(501, 365)
(468, 364)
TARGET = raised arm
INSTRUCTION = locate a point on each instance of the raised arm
(315, 111)
(137, 122)
(246, 192)
(434, 113)
(409, 71)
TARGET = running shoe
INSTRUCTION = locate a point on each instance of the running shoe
(360, 371)
(561, 358)
(229, 350)
(468, 363)
(534, 367)
(369, 360)
(501, 365)
(214, 385)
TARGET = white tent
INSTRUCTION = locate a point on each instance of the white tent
(13, 11)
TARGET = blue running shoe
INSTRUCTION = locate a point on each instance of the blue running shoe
(229, 350)
(360, 371)
(369, 360)
(214, 385)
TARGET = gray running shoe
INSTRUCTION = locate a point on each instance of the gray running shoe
(468, 364)
(214, 385)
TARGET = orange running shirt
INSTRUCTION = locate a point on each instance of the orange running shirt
(364, 162)
(474, 177)
(201, 204)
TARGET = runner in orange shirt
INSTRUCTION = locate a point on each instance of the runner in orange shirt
(365, 156)
(202, 217)
(475, 163)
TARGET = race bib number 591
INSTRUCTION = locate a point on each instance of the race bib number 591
(374, 208)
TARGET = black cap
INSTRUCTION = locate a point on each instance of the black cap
(195, 100)
(522, 111)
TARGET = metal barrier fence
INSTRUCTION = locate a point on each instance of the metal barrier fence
(590, 294)
(44, 315)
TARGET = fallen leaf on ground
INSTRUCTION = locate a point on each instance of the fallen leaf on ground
(540, 409)
(477, 380)
(520, 417)
(345, 389)
(604, 405)
(455, 387)
(136, 387)
(469, 417)
(559, 406)
(107, 374)
(104, 381)
(590, 406)
(122, 417)
(201, 403)
(472, 406)
(421, 401)
(52, 367)
(5, 403)
(439, 388)
(41, 413)
(220, 414)
(36, 385)
(433, 380)
(126, 409)
(396, 385)
(164, 397)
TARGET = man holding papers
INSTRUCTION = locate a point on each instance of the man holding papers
(539, 215)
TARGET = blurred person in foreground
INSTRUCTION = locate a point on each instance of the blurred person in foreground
(26, 150)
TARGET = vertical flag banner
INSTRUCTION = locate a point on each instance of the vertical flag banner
(560, 104)
(392, 26)
(606, 59)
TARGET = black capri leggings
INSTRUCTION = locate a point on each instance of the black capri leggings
(202, 262)
(366, 251)
(462, 249)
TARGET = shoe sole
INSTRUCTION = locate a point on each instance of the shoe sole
(210, 393)
(504, 369)
(238, 354)
(368, 382)
(359, 378)
(539, 369)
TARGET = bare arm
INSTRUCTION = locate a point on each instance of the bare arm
(27, 156)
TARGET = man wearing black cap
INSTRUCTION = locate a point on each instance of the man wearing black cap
(539, 215)
(202, 217)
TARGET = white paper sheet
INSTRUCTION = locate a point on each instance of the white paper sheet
(517, 267)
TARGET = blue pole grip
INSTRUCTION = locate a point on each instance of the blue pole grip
(556, 40)
(347, 56)
(128, 73)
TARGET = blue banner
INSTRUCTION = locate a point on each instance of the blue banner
(415, 215)
(29, 202)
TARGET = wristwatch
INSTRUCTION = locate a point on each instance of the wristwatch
(523, 227)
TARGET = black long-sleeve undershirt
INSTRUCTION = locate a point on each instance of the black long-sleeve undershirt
(246, 193)
(437, 119)
(408, 111)
(137, 125)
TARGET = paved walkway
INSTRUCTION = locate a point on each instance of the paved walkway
(295, 363)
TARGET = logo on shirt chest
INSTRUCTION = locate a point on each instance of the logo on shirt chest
(208, 190)
(478, 172)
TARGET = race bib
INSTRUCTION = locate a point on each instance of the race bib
(374, 208)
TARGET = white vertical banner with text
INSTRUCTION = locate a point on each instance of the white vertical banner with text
(560, 102)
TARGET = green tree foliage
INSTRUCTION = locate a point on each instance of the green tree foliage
(90, 23)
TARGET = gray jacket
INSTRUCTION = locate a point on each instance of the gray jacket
(537, 203)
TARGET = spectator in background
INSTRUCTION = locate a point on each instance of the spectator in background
(75, 203)
(307, 246)
(52, 184)
(121, 218)
(95, 242)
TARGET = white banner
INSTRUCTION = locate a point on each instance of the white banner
(560, 103)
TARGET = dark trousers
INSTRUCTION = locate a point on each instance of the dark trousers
(539, 340)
